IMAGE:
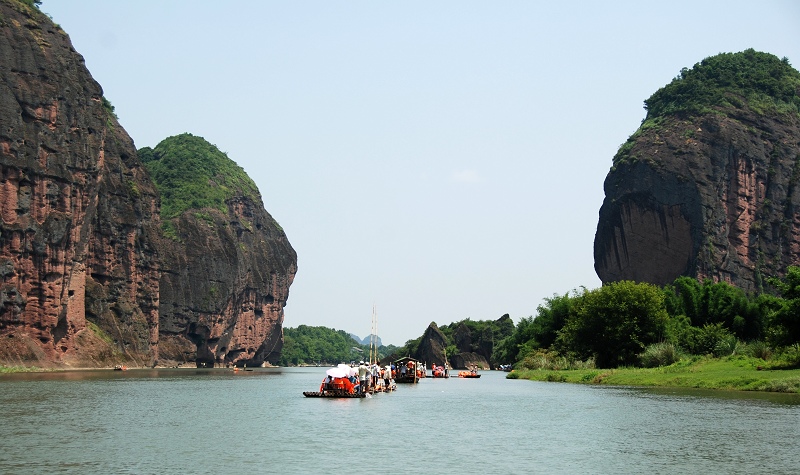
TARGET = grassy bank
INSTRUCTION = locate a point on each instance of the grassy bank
(19, 369)
(735, 372)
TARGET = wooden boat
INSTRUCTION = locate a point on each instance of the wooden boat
(472, 373)
(406, 370)
(337, 394)
(468, 374)
(337, 384)
(440, 372)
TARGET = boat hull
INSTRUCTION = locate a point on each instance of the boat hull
(334, 394)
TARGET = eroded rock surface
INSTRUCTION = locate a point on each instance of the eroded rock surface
(711, 195)
(78, 214)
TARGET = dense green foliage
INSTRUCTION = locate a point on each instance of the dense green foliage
(785, 320)
(621, 324)
(627, 323)
(761, 80)
(614, 323)
(191, 173)
(324, 346)
(531, 333)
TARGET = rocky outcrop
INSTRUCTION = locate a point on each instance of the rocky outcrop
(708, 195)
(78, 214)
(226, 278)
(473, 341)
(432, 347)
(86, 276)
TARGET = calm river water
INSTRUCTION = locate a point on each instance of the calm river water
(184, 421)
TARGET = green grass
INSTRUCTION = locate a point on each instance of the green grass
(19, 369)
(732, 373)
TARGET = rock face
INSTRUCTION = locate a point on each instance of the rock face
(79, 216)
(431, 349)
(226, 273)
(467, 360)
(86, 276)
(710, 195)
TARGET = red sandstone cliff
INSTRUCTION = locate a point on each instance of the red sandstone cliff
(79, 222)
(227, 265)
(711, 195)
(86, 276)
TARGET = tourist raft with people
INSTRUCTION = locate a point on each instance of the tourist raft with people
(364, 379)
(346, 381)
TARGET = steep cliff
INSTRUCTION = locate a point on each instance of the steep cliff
(227, 264)
(79, 223)
(432, 347)
(707, 186)
(89, 275)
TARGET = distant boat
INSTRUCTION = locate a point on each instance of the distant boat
(472, 373)
(120, 367)
(440, 372)
(468, 374)
(406, 370)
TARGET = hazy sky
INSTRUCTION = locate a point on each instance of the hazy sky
(439, 160)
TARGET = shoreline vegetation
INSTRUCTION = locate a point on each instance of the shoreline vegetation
(739, 373)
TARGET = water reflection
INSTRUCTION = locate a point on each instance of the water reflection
(748, 397)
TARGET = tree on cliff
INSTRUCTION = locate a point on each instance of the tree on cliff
(765, 82)
(614, 324)
(191, 173)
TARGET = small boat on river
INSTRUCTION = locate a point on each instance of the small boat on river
(472, 373)
(336, 394)
(440, 372)
(340, 382)
(408, 370)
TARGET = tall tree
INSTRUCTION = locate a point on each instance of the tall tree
(614, 323)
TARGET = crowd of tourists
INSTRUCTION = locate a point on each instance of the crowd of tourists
(360, 379)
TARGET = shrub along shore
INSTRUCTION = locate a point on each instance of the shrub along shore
(731, 373)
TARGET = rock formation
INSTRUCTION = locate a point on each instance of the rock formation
(79, 224)
(467, 359)
(473, 348)
(431, 349)
(87, 277)
(227, 270)
(707, 187)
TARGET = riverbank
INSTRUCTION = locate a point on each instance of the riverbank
(731, 373)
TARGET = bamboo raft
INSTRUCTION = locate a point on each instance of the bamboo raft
(338, 394)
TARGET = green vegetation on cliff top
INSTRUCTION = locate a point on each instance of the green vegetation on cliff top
(191, 173)
(761, 80)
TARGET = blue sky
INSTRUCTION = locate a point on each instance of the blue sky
(438, 160)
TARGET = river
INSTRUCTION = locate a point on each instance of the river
(186, 421)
